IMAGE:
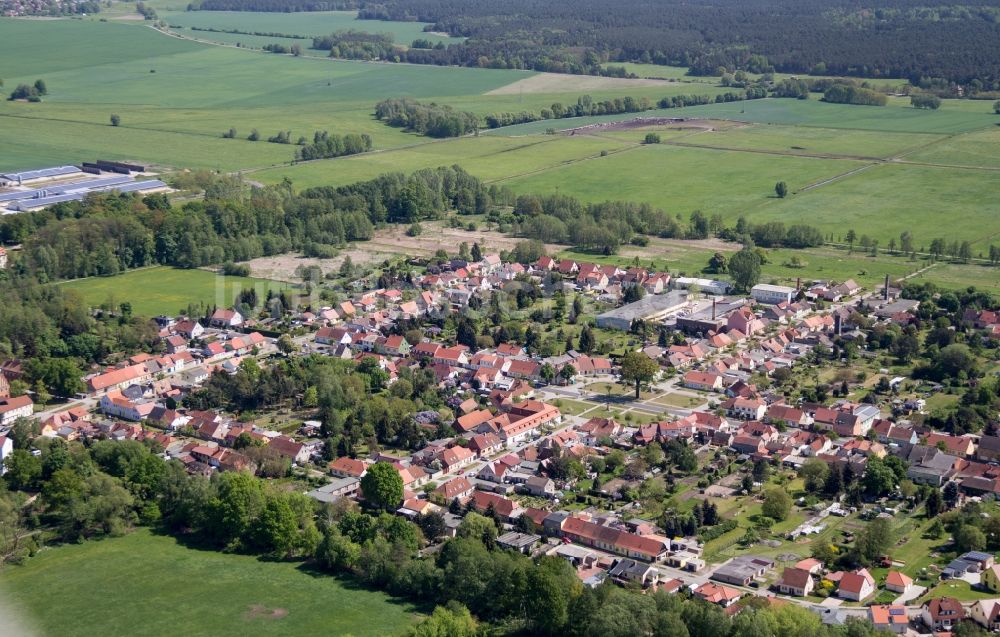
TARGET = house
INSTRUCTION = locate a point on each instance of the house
(520, 542)
(459, 488)
(115, 404)
(990, 579)
(507, 509)
(118, 378)
(486, 444)
(340, 488)
(715, 594)
(986, 613)
(989, 448)
(540, 486)
(16, 407)
(596, 429)
(472, 420)
(898, 582)
(345, 467)
(891, 618)
(456, 458)
(810, 564)
(942, 613)
(493, 472)
(628, 570)
(291, 449)
(795, 581)
(742, 570)
(648, 549)
(929, 465)
(224, 319)
(748, 408)
(703, 381)
(189, 329)
(856, 585)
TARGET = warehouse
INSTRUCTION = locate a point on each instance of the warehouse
(654, 307)
(707, 286)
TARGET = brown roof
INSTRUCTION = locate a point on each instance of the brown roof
(795, 577)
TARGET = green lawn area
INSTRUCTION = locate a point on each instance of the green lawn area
(572, 407)
(959, 589)
(145, 584)
(679, 400)
(164, 290)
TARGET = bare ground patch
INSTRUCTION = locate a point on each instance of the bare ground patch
(562, 83)
(259, 611)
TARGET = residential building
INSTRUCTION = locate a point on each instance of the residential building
(795, 581)
(15, 407)
(892, 618)
(856, 585)
(942, 613)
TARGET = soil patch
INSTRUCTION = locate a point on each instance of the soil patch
(564, 83)
(259, 611)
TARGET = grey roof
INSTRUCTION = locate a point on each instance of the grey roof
(326, 492)
(518, 540)
(648, 305)
(76, 195)
(40, 173)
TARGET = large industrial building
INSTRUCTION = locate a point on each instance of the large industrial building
(653, 307)
(36, 189)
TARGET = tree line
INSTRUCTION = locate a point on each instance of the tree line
(357, 45)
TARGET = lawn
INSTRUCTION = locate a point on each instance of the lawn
(571, 407)
(151, 585)
(679, 400)
(163, 290)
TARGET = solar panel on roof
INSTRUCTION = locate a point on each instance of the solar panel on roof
(897, 611)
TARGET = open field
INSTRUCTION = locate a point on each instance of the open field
(163, 290)
(151, 585)
(306, 23)
(675, 179)
(980, 148)
(799, 140)
(930, 202)
(679, 73)
(954, 116)
(489, 158)
(562, 83)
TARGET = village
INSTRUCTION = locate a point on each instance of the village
(671, 467)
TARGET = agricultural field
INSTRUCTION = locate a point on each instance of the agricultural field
(680, 73)
(152, 585)
(980, 149)
(307, 23)
(163, 290)
(682, 180)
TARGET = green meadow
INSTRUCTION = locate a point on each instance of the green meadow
(152, 585)
(163, 290)
(307, 23)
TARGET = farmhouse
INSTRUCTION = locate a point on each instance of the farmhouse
(13, 408)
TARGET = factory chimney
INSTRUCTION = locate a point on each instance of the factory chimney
(837, 324)
(885, 290)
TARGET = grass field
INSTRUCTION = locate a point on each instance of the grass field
(163, 290)
(797, 140)
(954, 116)
(306, 23)
(144, 584)
(679, 73)
(980, 148)
(677, 179)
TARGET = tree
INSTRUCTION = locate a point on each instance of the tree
(969, 538)
(777, 503)
(815, 473)
(478, 527)
(115, 119)
(382, 486)
(285, 344)
(451, 621)
(718, 263)
(851, 238)
(744, 267)
(651, 138)
(638, 368)
(950, 494)
(875, 539)
(879, 479)
(586, 343)
(996, 107)
(781, 189)
(934, 504)
(21, 469)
